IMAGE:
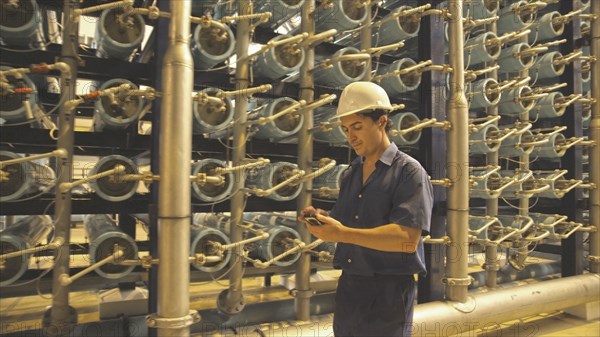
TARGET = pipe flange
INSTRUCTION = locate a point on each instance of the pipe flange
(452, 281)
(593, 259)
(154, 321)
(64, 328)
(230, 306)
(308, 293)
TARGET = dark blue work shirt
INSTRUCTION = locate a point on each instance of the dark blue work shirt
(397, 192)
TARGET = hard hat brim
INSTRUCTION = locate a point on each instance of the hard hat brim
(366, 109)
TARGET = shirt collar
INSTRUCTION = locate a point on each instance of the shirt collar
(387, 157)
(389, 154)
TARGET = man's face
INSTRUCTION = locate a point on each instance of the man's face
(362, 133)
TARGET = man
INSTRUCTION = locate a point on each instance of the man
(383, 208)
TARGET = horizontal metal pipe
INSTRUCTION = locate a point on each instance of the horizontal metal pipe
(258, 162)
(440, 318)
(51, 246)
(243, 242)
(65, 280)
(60, 153)
(330, 165)
(87, 10)
(64, 187)
(263, 193)
(492, 308)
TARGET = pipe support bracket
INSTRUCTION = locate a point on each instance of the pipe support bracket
(451, 281)
(491, 266)
(155, 321)
(297, 293)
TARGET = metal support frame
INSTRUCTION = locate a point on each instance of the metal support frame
(457, 161)
(431, 37)
(572, 252)
(59, 319)
(594, 130)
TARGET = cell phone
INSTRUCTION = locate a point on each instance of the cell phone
(311, 218)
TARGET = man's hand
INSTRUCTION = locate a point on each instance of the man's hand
(330, 229)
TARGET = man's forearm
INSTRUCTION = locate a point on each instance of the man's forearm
(387, 238)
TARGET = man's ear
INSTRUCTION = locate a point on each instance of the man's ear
(382, 120)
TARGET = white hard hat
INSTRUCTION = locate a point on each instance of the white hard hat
(362, 96)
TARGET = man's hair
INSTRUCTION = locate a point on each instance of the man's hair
(375, 114)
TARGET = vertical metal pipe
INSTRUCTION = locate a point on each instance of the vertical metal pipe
(594, 135)
(231, 301)
(491, 252)
(365, 38)
(61, 314)
(174, 191)
(305, 157)
(458, 162)
(522, 247)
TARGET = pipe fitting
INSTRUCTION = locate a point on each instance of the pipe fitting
(457, 281)
(297, 293)
(154, 321)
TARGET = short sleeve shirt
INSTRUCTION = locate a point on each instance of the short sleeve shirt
(397, 192)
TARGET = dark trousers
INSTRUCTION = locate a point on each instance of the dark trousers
(379, 305)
